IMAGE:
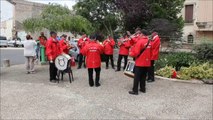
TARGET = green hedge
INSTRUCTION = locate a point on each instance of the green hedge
(175, 60)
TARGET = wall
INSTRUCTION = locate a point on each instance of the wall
(203, 12)
(7, 16)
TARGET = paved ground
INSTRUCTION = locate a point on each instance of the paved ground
(34, 97)
(15, 55)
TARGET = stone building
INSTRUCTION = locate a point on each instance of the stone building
(22, 10)
(198, 16)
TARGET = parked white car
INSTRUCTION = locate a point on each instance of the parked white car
(16, 43)
(3, 41)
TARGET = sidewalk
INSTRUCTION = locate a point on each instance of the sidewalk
(32, 96)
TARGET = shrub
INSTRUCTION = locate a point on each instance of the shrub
(166, 72)
(202, 71)
(176, 60)
(204, 51)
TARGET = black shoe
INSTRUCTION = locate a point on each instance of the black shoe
(107, 67)
(91, 84)
(97, 84)
(150, 80)
(113, 67)
(143, 90)
(133, 93)
(79, 68)
(117, 70)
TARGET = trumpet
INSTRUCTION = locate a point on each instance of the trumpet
(69, 46)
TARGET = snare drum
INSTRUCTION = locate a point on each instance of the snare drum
(129, 70)
(62, 61)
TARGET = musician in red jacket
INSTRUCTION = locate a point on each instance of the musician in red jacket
(93, 51)
(64, 44)
(142, 61)
(81, 43)
(52, 51)
(155, 42)
(124, 45)
(109, 44)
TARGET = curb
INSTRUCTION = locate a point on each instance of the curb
(178, 80)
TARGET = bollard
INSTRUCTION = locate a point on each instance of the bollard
(6, 63)
(43, 58)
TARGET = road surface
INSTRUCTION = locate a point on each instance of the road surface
(15, 55)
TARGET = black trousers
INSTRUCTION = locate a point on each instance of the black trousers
(80, 60)
(120, 57)
(53, 71)
(151, 69)
(97, 78)
(140, 77)
(107, 60)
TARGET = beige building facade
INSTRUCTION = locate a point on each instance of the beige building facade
(198, 17)
(21, 10)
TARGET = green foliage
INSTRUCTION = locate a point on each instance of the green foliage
(176, 60)
(33, 24)
(162, 10)
(202, 71)
(204, 51)
(165, 72)
(101, 13)
(58, 18)
(149, 13)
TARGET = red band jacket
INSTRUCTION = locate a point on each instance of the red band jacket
(52, 48)
(144, 59)
(93, 51)
(64, 46)
(124, 46)
(155, 47)
(108, 46)
(82, 42)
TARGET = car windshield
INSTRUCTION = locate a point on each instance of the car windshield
(3, 38)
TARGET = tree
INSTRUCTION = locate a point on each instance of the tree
(135, 13)
(143, 13)
(101, 13)
(55, 17)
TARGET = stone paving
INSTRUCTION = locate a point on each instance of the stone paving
(32, 96)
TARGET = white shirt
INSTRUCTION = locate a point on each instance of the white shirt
(29, 48)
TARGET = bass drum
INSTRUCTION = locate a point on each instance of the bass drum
(129, 70)
(61, 62)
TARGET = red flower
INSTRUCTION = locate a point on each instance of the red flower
(174, 74)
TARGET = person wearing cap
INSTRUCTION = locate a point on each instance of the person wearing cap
(93, 51)
(155, 42)
(81, 43)
(64, 44)
(142, 61)
(52, 51)
(124, 45)
(109, 44)
(29, 53)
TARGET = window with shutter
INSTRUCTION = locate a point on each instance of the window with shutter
(188, 13)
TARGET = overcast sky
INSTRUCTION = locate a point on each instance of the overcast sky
(68, 3)
(6, 10)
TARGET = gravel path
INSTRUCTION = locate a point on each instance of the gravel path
(32, 96)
